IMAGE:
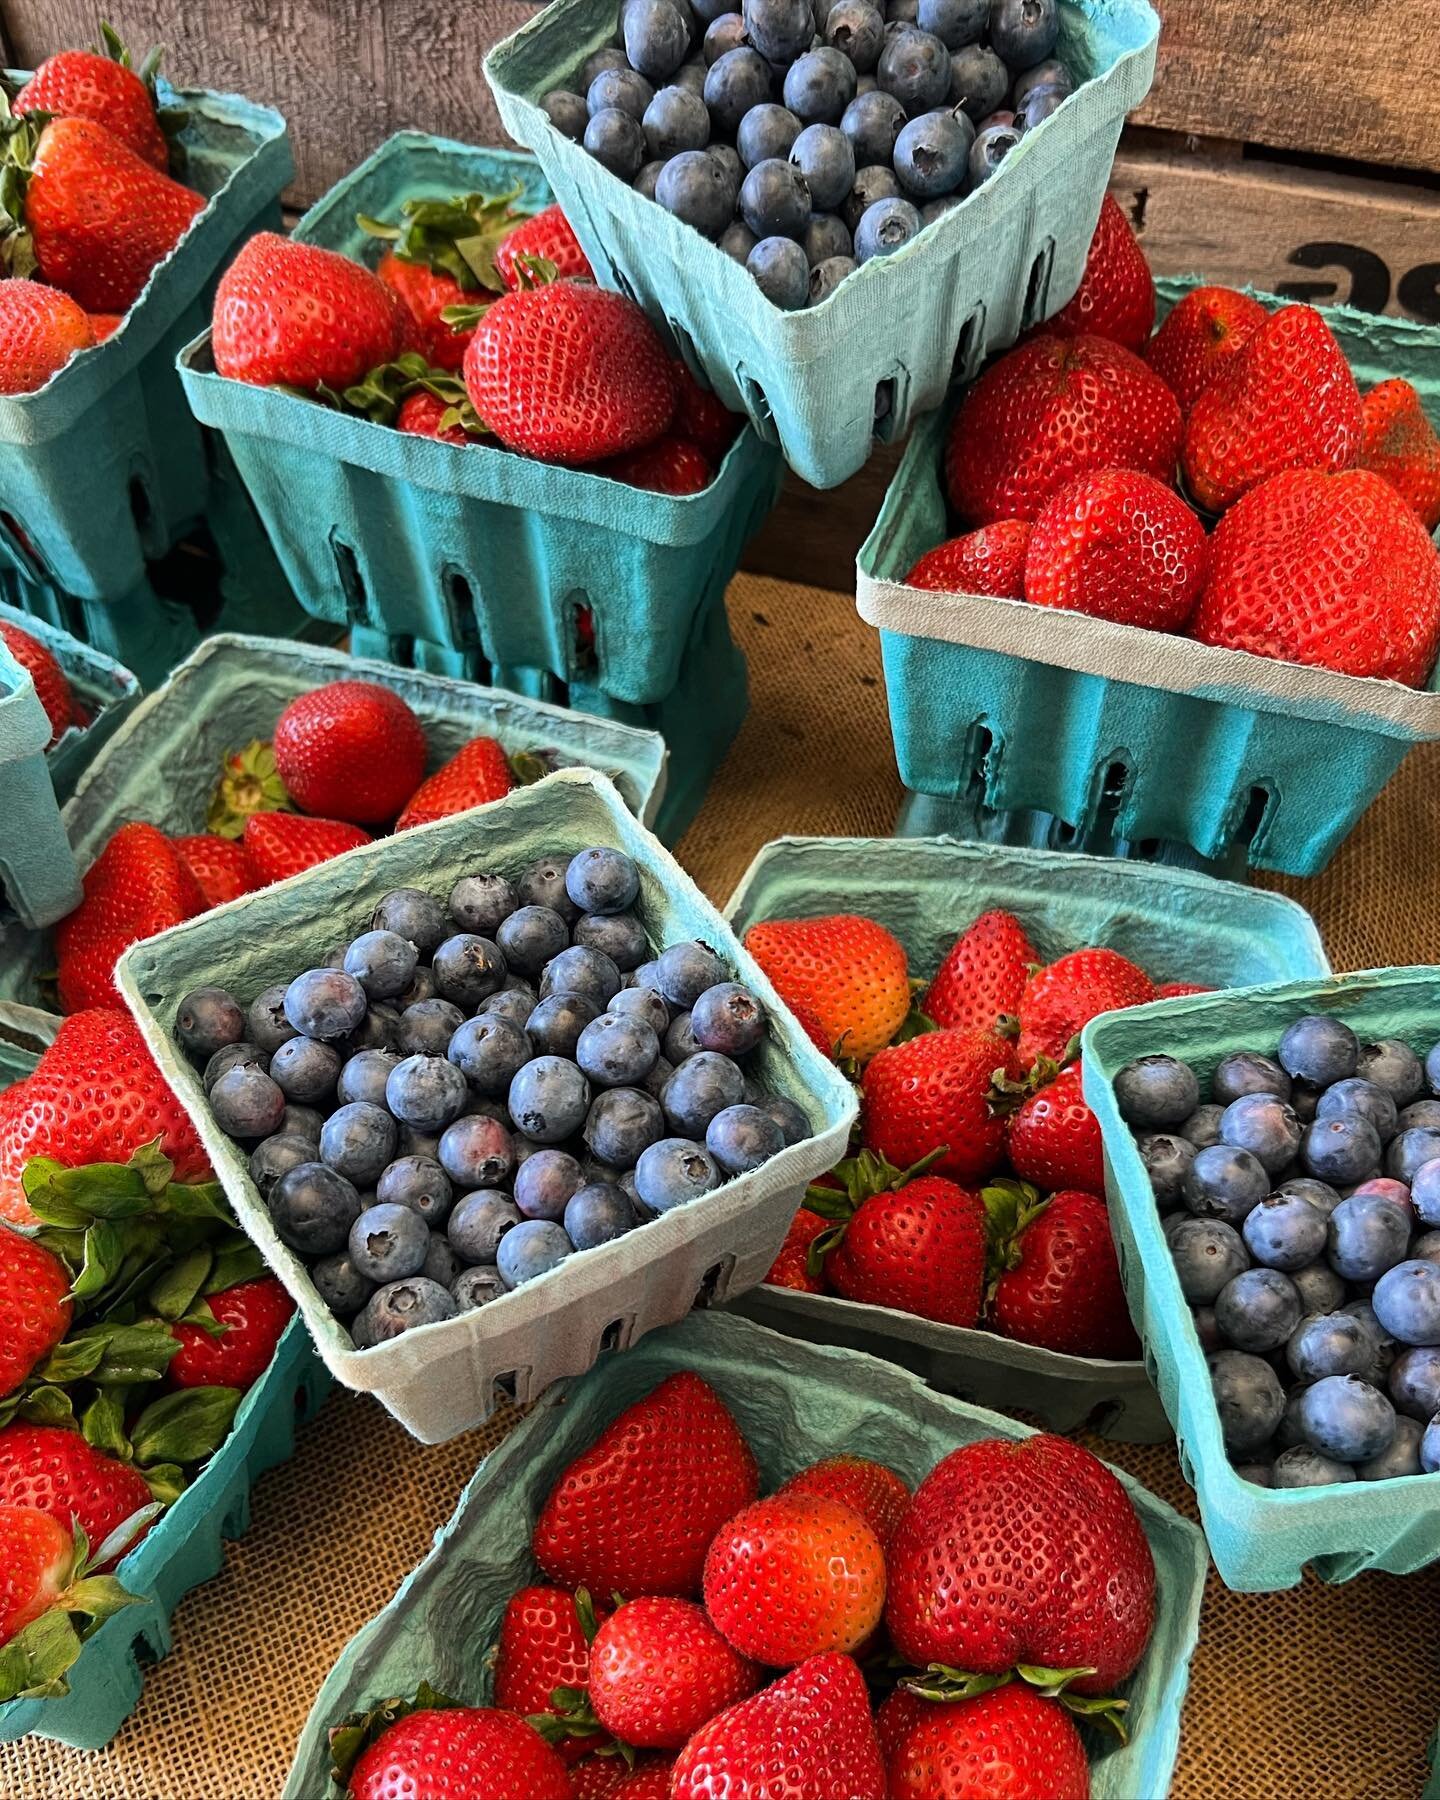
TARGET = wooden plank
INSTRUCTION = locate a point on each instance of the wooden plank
(812, 536)
(1328, 76)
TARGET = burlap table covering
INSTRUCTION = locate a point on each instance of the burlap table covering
(1322, 1693)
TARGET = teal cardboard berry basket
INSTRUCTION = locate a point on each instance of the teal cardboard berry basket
(1261, 1538)
(1177, 925)
(105, 689)
(36, 870)
(823, 382)
(469, 546)
(163, 763)
(795, 1403)
(1160, 737)
(441, 1379)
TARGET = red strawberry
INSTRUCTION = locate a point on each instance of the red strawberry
(1118, 545)
(648, 1780)
(703, 417)
(659, 1670)
(1173, 990)
(789, 1268)
(1010, 1742)
(1048, 411)
(220, 866)
(476, 774)
(1060, 1000)
(101, 86)
(544, 1644)
(988, 561)
(878, 1494)
(612, 1778)
(847, 972)
(1026, 1551)
(636, 1512)
(281, 844)
(52, 687)
(459, 1753)
(1286, 400)
(105, 325)
(424, 293)
(350, 750)
(935, 1091)
(570, 373)
(138, 885)
(1199, 337)
(808, 1736)
(983, 974)
(1116, 295)
(254, 1314)
(294, 314)
(34, 1306)
(546, 235)
(1058, 1284)
(1054, 1138)
(95, 1096)
(795, 1576)
(54, 1470)
(40, 330)
(1330, 570)
(671, 465)
(37, 1556)
(1399, 444)
(422, 414)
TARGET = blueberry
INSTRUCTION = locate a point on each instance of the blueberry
(728, 158)
(234, 1056)
(468, 969)
(737, 240)
(1247, 1072)
(544, 1183)
(1341, 1150)
(608, 56)
(779, 29)
(1334, 1343)
(819, 86)
(721, 36)
(1318, 1050)
(476, 1152)
(617, 1051)
(935, 209)
(364, 1076)
(1208, 1332)
(532, 1248)
(1224, 1183)
(1320, 1289)
(702, 1085)
(645, 1004)
(1368, 1235)
(1285, 1232)
(779, 269)
(419, 1183)
(276, 1156)
(556, 1023)
(601, 880)
(1040, 102)
(766, 132)
(728, 1018)
(1400, 1457)
(993, 143)
(955, 22)
(826, 276)
(696, 189)
(1257, 1474)
(530, 936)
(1051, 73)
(616, 142)
(827, 239)
(619, 89)
(247, 1103)
(1344, 1417)
(1411, 1150)
(388, 1243)
(567, 112)
(1383, 1188)
(1266, 1126)
(740, 1138)
(441, 1263)
(856, 30)
(1424, 1190)
(358, 1142)
(1385, 1347)
(691, 77)
(265, 1023)
(1167, 1159)
(775, 201)
(737, 81)
(208, 1019)
(1407, 1303)
(1023, 32)
(1427, 1246)
(885, 228)
(978, 81)
(427, 1027)
(422, 987)
(1432, 1068)
(597, 1214)
(426, 1092)
(679, 1043)
(620, 937)
(413, 914)
(621, 1125)
(685, 970)
(341, 1285)
(931, 160)
(1357, 1098)
(794, 1126)
(914, 67)
(826, 161)
(1208, 1254)
(1414, 1382)
(476, 1287)
(1258, 1310)
(590, 974)
(873, 123)
(1302, 1467)
(489, 1052)
(1430, 1447)
(1248, 1398)
(401, 1306)
(303, 1122)
(872, 185)
(382, 962)
(673, 1172)
(314, 1208)
(1320, 1194)
(549, 1099)
(514, 1003)
(325, 1003)
(478, 1223)
(657, 38)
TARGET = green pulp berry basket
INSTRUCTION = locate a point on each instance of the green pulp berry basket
(469, 546)
(36, 871)
(105, 689)
(1163, 737)
(1261, 1538)
(1177, 925)
(444, 1378)
(795, 1403)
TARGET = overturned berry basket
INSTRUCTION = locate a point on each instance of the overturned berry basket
(1261, 1538)
(442, 1378)
(1155, 735)
(1176, 924)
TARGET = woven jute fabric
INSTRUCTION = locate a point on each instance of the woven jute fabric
(1324, 1692)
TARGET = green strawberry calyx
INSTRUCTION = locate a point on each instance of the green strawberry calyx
(34, 1663)
(384, 390)
(860, 1178)
(456, 237)
(1011, 1208)
(1008, 1095)
(21, 136)
(943, 1684)
(249, 782)
(531, 272)
(355, 1734)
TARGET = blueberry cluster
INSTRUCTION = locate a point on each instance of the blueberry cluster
(806, 136)
(468, 1093)
(1301, 1204)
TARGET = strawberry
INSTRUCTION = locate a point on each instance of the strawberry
(94, 1096)
(983, 975)
(990, 560)
(636, 1512)
(1116, 295)
(254, 1314)
(40, 330)
(34, 1306)
(847, 972)
(1060, 1000)
(1286, 400)
(659, 1670)
(1023, 1551)
(46, 1565)
(1048, 411)
(282, 844)
(1009, 1742)
(293, 314)
(1173, 990)
(933, 1093)
(789, 1269)
(878, 1494)
(703, 417)
(544, 1644)
(138, 885)
(1330, 570)
(1118, 545)
(424, 294)
(671, 465)
(350, 750)
(612, 1778)
(1057, 1280)
(808, 1736)
(570, 373)
(1199, 337)
(547, 235)
(1399, 443)
(219, 865)
(795, 1576)
(459, 1753)
(105, 325)
(648, 1780)
(36, 1558)
(476, 774)
(52, 687)
(101, 86)
(1054, 1138)
(56, 1471)
(423, 414)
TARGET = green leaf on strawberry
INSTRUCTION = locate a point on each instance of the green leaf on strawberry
(103, 1424)
(34, 1663)
(185, 1426)
(39, 1406)
(182, 1283)
(456, 237)
(234, 1259)
(355, 1734)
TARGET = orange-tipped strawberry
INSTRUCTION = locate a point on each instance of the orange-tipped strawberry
(935, 1093)
(877, 1493)
(220, 866)
(476, 774)
(1399, 444)
(1116, 296)
(546, 236)
(284, 844)
(52, 686)
(1059, 1001)
(671, 465)
(40, 330)
(103, 87)
(988, 561)
(137, 886)
(846, 972)
(1199, 337)
(983, 975)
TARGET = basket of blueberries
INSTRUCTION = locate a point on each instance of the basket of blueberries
(1274, 1165)
(536, 1102)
